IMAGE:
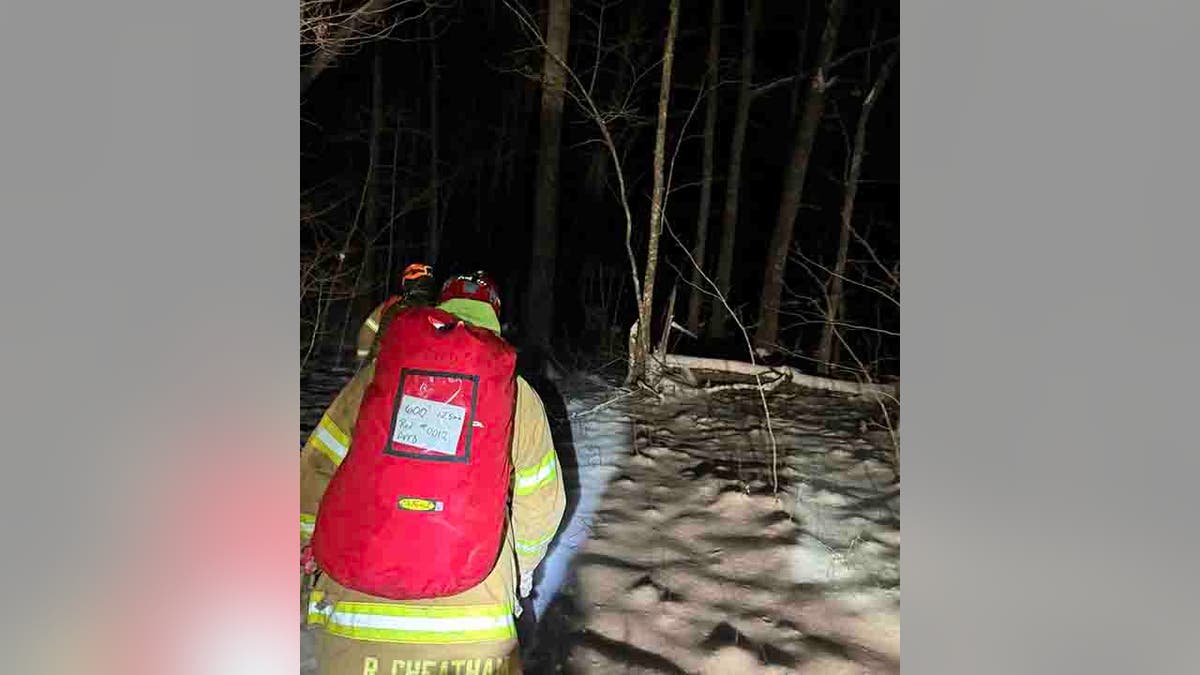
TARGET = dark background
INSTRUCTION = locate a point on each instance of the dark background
(488, 105)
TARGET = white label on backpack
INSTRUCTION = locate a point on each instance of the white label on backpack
(429, 425)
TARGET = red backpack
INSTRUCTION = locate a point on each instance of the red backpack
(417, 509)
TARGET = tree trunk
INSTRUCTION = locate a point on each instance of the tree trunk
(637, 368)
(433, 243)
(767, 335)
(389, 279)
(706, 177)
(695, 363)
(366, 298)
(718, 319)
(801, 51)
(539, 300)
(833, 310)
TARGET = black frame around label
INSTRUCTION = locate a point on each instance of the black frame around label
(470, 420)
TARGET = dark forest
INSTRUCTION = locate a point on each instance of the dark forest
(432, 131)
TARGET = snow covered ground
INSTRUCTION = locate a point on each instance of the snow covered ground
(694, 564)
(679, 557)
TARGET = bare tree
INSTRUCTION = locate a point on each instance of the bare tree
(433, 243)
(371, 200)
(834, 309)
(580, 95)
(604, 120)
(330, 29)
(801, 50)
(637, 367)
(538, 300)
(767, 334)
(387, 287)
(706, 176)
(718, 318)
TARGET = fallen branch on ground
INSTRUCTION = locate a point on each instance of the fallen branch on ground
(597, 408)
(690, 385)
(795, 376)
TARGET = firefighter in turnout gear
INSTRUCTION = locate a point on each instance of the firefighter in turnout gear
(417, 288)
(472, 632)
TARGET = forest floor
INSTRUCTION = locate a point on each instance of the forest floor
(686, 549)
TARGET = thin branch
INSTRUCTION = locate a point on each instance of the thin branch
(775, 84)
(594, 112)
(749, 351)
(808, 261)
(862, 50)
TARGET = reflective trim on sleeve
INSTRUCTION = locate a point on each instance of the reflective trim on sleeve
(533, 546)
(362, 353)
(372, 324)
(318, 611)
(331, 440)
(529, 480)
(308, 522)
(419, 624)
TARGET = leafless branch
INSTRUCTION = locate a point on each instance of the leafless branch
(589, 106)
(331, 29)
(775, 84)
(798, 254)
(862, 50)
(749, 351)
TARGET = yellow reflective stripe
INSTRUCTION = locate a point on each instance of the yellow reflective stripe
(380, 622)
(372, 323)
(503, 629)
(532, 546)
(334, 430)
(529, 480)
(331, 440)
(334, 452)
(435, 611)
(362, 352)
(317, 614)
(308, 523)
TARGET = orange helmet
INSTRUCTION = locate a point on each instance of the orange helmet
(417, 270)
(418, 285)
(475, 286)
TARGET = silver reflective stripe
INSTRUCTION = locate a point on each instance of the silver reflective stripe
(536, 478)
(335, 446)
(430, 624)
(530, 479)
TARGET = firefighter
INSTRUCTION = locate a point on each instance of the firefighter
(417, 288)
(470, 633)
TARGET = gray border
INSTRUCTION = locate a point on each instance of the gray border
(149, 182)
(148, 196)
(1049, 457)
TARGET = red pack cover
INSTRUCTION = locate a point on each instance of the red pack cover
(417, 509)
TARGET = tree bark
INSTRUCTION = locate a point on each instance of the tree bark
(718, 319)
(539, 300)
(388, 283)
(433, 243)
(834, 309)
(767, 334)
(637, 368)
(695, 296)
(695, 363)
(366, 299)
(801, 51)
